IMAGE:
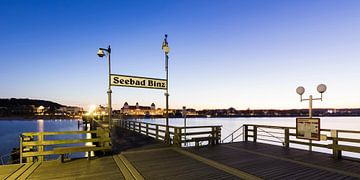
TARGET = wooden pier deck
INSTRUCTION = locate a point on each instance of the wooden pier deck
(244, 160)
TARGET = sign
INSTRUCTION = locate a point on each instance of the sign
(308, 128)
(137, 82)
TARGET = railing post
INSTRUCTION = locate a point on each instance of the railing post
(336, 152)
(21, 148)
(246, 133)
(41, 147)
(140, 127)
(254, 133)
(218, 135)
(157, 131)
(287, 138)
(212, 141)
(134, 127)
(147, 129)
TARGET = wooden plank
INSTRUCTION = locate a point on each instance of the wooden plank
(217, 165)
(7, 170)
(58, 133)
(29, 171)
(66, 141)
(127, 174)
(44, 153)
(298, 162)
(98, 168)
(131, 168)
(20, 171)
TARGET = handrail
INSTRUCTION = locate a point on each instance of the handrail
(337, 144)
(30, 148)
(272, 136)
(194, 134)
(232, 135)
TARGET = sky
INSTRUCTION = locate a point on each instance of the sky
(230, 53)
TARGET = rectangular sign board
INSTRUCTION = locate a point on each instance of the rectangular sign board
(137, 82)
(308, 128)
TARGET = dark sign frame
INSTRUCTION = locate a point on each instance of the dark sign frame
(317, 135)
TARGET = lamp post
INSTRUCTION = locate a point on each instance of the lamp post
(102, 54)
(166, 50)
(321, 88)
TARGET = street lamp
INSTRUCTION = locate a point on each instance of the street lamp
(101, 53)
(166, 50)
(321, 88)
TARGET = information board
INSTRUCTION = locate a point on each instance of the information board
(308, 128)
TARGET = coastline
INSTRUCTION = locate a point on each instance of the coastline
(29, 118)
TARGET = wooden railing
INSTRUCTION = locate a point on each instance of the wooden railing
(32, 144)
(194, 136)
(336, 140)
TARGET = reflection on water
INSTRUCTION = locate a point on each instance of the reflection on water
(40, 124)
(88, 136)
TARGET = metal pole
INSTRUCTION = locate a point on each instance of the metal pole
(310, 106)
(184, 114)
(167, 134)
(310, 116)
(109, 90)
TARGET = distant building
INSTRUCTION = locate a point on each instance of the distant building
(69, 110)
(138, 110)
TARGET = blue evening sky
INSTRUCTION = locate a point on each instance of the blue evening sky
(228, 53)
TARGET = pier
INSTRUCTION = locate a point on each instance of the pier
(138, 152)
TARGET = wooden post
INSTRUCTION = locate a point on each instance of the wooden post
(40, 148)
(212, 141)
(287, 138)
(254, 133)
(140, 127)
(246, 134)
(218, 135)
(336, 152)
(147, 129)
(21, 149)
(134, 127)
(157, 131)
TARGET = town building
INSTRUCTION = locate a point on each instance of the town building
(138, 110)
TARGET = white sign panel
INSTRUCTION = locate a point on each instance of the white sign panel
(137, 82)
(308, 128)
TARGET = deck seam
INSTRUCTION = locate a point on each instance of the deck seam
(297, 162)
(146, 150)
(217, 165)
(29, 171)
(134, 172)
(15, 174)
(122, 167)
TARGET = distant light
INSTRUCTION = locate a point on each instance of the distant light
(101, 53)
(166, 49)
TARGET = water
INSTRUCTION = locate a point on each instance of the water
(11, 129)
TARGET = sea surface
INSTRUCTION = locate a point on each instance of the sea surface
(11, 129)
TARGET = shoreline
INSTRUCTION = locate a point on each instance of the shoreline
(30, 118)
